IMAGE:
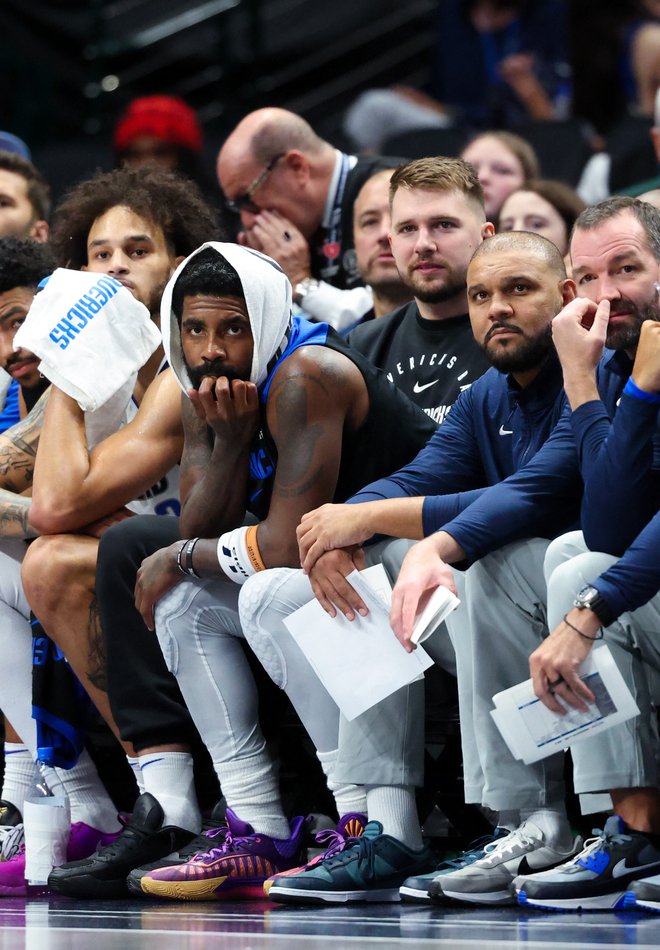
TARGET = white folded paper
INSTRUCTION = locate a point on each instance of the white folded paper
(360, 662)
(532, 731)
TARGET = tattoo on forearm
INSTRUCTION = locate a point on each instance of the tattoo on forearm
(18, 448)
(97, 667)
(294, 469)
(294, 491)
(14, 517)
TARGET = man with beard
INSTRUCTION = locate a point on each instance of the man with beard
(23, 264)
(375, 261)
(516, 284)
(132, 225)
(426, 347)
(615, 253)
(279, 415)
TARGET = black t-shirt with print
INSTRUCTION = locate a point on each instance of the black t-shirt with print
(431, 361)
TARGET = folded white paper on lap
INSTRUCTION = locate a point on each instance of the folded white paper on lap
(360, 662)
(90, 333)
(532, 731)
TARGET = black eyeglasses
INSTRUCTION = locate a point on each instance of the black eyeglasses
(244, 202)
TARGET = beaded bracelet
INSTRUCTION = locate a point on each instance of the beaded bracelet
(599, 636)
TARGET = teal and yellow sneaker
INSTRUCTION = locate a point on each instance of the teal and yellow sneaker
(373, 868)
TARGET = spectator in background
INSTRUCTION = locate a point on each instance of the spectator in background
(24, 210)
(375, 261)
(544, 206)
(503, 162)
(24, 199)
(294, 193)
(518, 71)
(640, 65)
(163, 130)
(517, 51)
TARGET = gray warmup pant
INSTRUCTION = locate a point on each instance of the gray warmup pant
(500, 621)
(383, 746)
(199, 633)
(625, 756)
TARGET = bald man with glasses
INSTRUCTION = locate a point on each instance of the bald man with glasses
(294, 193)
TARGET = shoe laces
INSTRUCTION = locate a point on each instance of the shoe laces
(476, 849)
(335, 842)
(601, 841)
(507, 845)
(10, 838)
(361, 848)
(230, 845)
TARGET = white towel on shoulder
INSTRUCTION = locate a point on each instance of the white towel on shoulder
(90, 333)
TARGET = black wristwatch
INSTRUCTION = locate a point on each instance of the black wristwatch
(589, 598)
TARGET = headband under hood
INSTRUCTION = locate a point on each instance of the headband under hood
(267, 298)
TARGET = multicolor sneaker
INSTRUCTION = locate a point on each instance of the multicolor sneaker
(83, 841)
(235, 870)
(214, 827)
(644, 894)
(103, 874)
(488, 880)
(415, 890)
(372, 868)
(598, 877)
(349, 827)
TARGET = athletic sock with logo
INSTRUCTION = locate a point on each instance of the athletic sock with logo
(134, 764)
(168, 776)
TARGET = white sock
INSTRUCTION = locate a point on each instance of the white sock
(509, 819)
(552, 821)
(395, 807)
(168, 776)
(348, 798)
(134, 762)
(252, 791)
(88, 798)
(20, 774)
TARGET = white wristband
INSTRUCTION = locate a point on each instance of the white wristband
(233, 557)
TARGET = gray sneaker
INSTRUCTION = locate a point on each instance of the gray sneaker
(488, 880)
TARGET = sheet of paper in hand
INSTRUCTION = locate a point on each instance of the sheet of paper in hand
(360, 662)
(532, 731)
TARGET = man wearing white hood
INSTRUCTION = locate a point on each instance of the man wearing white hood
(280, 414)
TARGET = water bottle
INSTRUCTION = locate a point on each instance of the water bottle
(47, 821)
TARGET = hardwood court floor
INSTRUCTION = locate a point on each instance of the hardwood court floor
(57, 923)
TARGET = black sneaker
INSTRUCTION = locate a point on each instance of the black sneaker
(104, 873)
(213, 827)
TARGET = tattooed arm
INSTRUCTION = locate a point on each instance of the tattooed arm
(74, 487)
(18, 449)
(14, 511)
(312, 400)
